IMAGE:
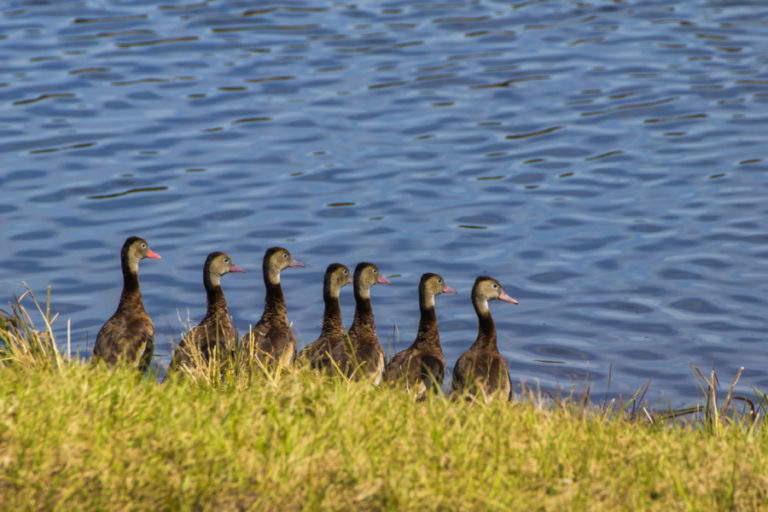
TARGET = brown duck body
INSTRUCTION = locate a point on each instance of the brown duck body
(361, 352)
(318, 353)
(215, 332)
(271, 340)
(421, 366)
(482, 370)
(129, 335)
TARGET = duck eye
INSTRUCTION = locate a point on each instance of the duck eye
(440, 281)
(285, 255)
(495, 286)
(226, 260)
(143, 246)
(374, 270)
(346, 272)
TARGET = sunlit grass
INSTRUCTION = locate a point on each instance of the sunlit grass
(21, 342)
(76, 436)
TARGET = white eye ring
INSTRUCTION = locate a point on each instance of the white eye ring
(226, 260)
(346, 272)
(285, 255)
(495, 286)
(374, 270)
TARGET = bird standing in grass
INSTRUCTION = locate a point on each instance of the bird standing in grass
(318, 353)
(271, 341)
(422, 365)
(215, 332)
(361, 352)
(129, 335)
(482, 370)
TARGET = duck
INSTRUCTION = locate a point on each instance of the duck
(482, 370)
(361, 349)
(271, 340)
(421, 366)
(215, 331)
(129, 335)
(318, 352)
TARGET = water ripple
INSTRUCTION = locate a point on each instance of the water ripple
(605, 162)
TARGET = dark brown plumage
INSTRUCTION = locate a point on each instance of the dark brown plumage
(482, 370)
(128, 335)
(332, 333)
(361, 349)
(271, 340)
(422, 365)
(215, 331)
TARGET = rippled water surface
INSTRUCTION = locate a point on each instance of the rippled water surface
(606, 161)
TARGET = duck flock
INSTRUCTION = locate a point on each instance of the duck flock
(128, 336)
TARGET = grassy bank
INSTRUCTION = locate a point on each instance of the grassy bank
(80, 437)
(85, 438)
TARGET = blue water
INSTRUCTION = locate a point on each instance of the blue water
(606, 161)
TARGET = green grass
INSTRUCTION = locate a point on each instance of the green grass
(86, 438)
(76, 436)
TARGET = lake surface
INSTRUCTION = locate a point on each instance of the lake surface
(606, 161)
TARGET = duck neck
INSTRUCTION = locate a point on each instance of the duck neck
(131, 294)
(427, 334)
(332, 324)
(274, 302)
(216, 302)
(364, 320)
(486, 331)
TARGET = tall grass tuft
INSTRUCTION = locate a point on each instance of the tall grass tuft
(231, 368)
(715, 415)
(21, 343)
